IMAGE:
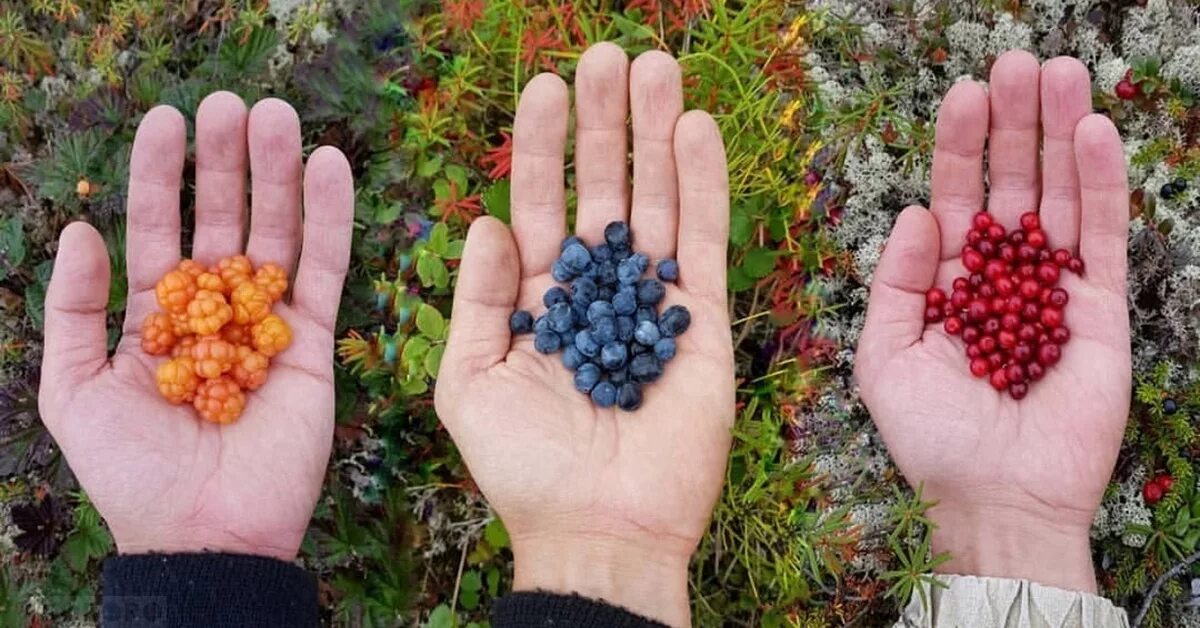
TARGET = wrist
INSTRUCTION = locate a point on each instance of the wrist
(642, 579)
(1002, 542)
(284, 547)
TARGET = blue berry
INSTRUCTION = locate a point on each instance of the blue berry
(668, 270)
(613, 355)
(630, 269)
(650, 292)
(568, 241)
(646, 333)
(576, 257)
(645, 367)
(616, 234)
(579, 311)
(604, 330)
(561, 318)
(646, 313)
(1170, 406)
(546, 342)
(542, 324)
(586, 377)
(605, 293)
(629, 397)
(606, 272)
(600, 309)
(604, 394)
(664, 349)
(601, 252)
(566, 338)
(561, 272)
(619, 376)
(625, 301)
(586, 343)
(625, 327)
(554, 295)
(572, 358)
(674, 321)
(521, 322)
(583, 289)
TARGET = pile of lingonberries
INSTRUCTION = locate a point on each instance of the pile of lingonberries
(1009, 309)
(217, 326)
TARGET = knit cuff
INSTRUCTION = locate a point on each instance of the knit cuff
(537, 609)
(213, 590)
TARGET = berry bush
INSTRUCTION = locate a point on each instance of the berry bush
(826, 108)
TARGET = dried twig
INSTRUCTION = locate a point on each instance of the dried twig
(1158, 584)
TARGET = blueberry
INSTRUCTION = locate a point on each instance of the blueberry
(604, 394)
(561, 272)
(521, 322)
(1170, 406)
(601, 253)
(583, 289)
(616, 234)
(613, 355)
(674, 321)
(572, 358)
(629, 397)
(546, 342)
(630, 269)
(646, 333)
(586, 377)
(625, 301)
(1180, 185)
(664, 349)
(566, 338)
(1167, 191)
(600, 309)
(668, 270)
(568, 241)
(650, 292)
(625, 327)
(605, 293)
(561, 318)
(576, 257)
(604, 330)
(606, 272)
(586, 343)
(646, 313)
(645, 367)
(554, 295)
(579, 313)
(619, 376)
(542, 324)
(620, 255)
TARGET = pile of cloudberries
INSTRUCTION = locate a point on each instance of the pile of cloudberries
(217, 327)
(1009, 308)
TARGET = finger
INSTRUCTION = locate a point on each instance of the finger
(1104, 230)
(76, 338)
(220, 177)
(484, 298)
(962, 125)
(896, 313)
(704, 203)
(539, 140)
(656, 100)
(1014, 138)
(275, 171)
(328, 228)
(601, 155)
(1066, 99)
(155, 178)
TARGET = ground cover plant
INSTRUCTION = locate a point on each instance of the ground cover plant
(826, 108)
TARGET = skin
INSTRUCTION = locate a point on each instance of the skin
(1017, 482)
(163, 479)
(601, 502)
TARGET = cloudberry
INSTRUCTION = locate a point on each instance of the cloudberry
(211, 281)
(213, 357)
(191, 267)
(175, 291)
(235, 271)
(273, 279)
(250, 368)
(158, 334)
(176, 379)
(236, 334)
(271, 335)
(220, 400)
(208, 312)
(251, 303)
(183, 347)
(180, 324)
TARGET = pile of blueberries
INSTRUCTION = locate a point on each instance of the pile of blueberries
(607, 323)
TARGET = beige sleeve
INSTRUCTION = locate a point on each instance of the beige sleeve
(971, 602)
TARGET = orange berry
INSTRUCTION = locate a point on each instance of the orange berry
(251, 303)
(236, 334)
(235, 271)
(175, 291)
(183, 347)
(220, 400)
(273, 279)
(176, 379)
(158, 334)
(180, 324)
(271, 336)
(208, 311)
(211, 281)
(250, 369)
(191, 267)
(213, 357)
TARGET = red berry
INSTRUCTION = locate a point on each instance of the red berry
(953, 325)
(1036, 239)
(1044, 255)
(1015, 374)
(986, 291)
(998, 304)
(1075, 265)
(1010, 322)
(996, 361)
(935, 297)
(1030, 311)
(1026, 271)
(1013, 305)
(1051, 317)
(974, 352)
(987, 345)
(1027, 333)
(973, 260)
(1047, 273)
(948, 309)
(987, 248)
(995, 269)
(1030, 221)
(974, 237)
(1152, 493)
(1006, 339)
(933, 314)
(1165, 481)
(1026, 253)
(981, 220)
(1048, 354)
(1016, 237)
(995, 233)
(975, 280)
(1035, 371)
(1018, 391)
(1022, 353)
(979, 367)
(1062, 257)
(1007, 252)
(1060, 335)
(960, 283)
(1126, 90)
(960, 298)
(1029, 289)
(970, 335)
(991, 327)
(977, 310)
(999, 379)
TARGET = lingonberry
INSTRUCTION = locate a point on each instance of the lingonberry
(1152, 493)
(974, 352)
(1016, 238)
(974, 236)
(158, 334)
(220, 400)
(999, 304)
(1004, 286)
(1030, 311)
(1035, 371)
(999, 379)
(1007, 253)
(959, 283)
(1051, 317)
(1026, 271)
(1075, 265)
(1165, 481)
(1126, 90)
(1010, 322)
(1013, 304)
(987, 345)
(1058, 298)
(991, 326)
(1029, 221)
(973, 260)
(970, 334)
(975, 280)
(977, 310)
(953, 325)
(986, 291)
(1062, 257)
(948, 309)
(1022, 353)
(1015, 373)
(979, 367)
(1047, 273)
(995, 233)
(935, 297)
(1029, 289)
(1048, 354)
(1027, 333)
(1018, 391)
(1026, 253)
(1036, 239)
(981, 220)
(994, 269)
(1060, 335)
(1006, 339)
(960, 298)
(1044, 255)
(995, 360)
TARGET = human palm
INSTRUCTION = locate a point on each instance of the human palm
(1043, 461)
(554, 466)
(163, 479)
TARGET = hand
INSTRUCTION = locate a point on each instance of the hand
(605, 503)
(163, 479)
(1017, 482)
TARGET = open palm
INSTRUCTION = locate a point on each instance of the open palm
(555, 467)
(1040, 463)
(163, 479)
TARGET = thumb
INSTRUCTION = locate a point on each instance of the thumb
(76, 340)
(896, 310)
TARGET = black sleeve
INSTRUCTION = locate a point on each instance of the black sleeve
(206, 590)
(537, 610)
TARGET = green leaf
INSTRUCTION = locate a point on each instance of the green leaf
(430, 168)
(741, 227)
(457, 175)
(439, 238)
(759, 262)
(441, 277)
(496, 534)
(414, 386)
(35, 303)
(12, 245)
(414, 349)
(427, 268)
(469, 588)
(387, 214)
(441, 189)
(493, 581)
(454, 250)
(430, 321)
(496, 200)
(433, 360)
(441, 617)
(86, 542)
(739, 281)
